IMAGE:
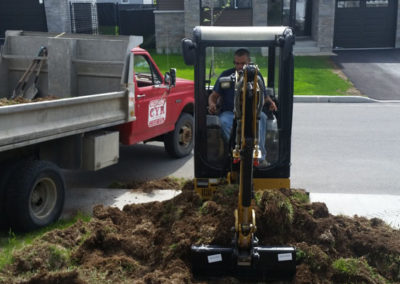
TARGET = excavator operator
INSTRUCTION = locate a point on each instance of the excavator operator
(226, 115)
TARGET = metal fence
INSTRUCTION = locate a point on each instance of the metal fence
(114, 19)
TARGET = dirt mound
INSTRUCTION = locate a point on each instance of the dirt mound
(21, 100)
(164, 183)
(150, 243)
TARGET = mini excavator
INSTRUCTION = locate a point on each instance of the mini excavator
(237, 161)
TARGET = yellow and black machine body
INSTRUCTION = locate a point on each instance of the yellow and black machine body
(237, 160)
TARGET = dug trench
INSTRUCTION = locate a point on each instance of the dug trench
(150, 243)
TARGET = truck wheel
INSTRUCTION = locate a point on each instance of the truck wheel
(179, 142)
(35, 195)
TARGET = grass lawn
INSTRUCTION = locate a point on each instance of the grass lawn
(313, 74)
(10, 241)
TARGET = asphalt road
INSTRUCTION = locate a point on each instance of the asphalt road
(376, 73)
(346, 148)
(336, 148)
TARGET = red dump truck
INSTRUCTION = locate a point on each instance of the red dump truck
(99, 91)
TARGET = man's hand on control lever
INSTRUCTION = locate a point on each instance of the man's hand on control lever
(272, 105)
(212, 103)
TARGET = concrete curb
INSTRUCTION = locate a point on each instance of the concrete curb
(339, 99)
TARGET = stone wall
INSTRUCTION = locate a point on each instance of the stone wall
(324, 23)
(57, 14)
(170, 29)
(260, 11)
(192, 16)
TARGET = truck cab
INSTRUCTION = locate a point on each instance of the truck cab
(159, 102)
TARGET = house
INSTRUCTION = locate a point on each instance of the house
(320, 25)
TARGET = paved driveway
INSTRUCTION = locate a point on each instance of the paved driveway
(376, 73)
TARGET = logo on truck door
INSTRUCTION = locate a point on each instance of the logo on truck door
(157, 112)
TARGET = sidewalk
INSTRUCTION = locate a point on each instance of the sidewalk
(339, 99)
(385, 207)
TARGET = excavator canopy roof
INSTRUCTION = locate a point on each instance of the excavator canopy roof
(243, 34)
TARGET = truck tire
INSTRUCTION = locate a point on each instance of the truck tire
(35, 195)
(179, 142)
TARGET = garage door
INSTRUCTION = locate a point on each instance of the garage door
(365, 23)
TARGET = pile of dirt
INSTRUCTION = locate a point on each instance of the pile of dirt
(146, 185)
(21, 100)
(150, 243)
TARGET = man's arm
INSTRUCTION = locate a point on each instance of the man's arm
(212, 102)
(272, 105)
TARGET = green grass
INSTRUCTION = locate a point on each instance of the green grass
(10, 241)
(165, 62)
(313, 74)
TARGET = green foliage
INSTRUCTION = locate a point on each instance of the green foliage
(349, 266)
(355, 267)
(286, 206)
(171, 213)
(173, 246)
(204, 208)
(300, 197)
(258, 197)
(58, 257)
(300, 255)
(230, 189)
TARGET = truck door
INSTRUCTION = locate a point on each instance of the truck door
(151, 103)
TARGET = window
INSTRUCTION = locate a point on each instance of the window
(145, 73)
(348, 4)
(221, 60)
(233, 4)
(242, 3)
(377, 3)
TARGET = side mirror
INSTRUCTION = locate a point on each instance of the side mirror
(188, 51)
(170, 77)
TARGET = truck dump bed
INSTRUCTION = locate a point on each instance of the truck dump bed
(87, 74)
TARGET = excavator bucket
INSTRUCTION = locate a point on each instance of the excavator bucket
(266, 263)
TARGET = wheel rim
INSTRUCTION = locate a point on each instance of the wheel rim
(43, 198)
(185, 135)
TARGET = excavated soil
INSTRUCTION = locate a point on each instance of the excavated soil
(150, 243)
(21, 100)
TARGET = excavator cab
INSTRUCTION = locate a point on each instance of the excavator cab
(219, 160)
(211, 51)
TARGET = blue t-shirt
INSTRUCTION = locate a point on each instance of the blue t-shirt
(228, 95)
